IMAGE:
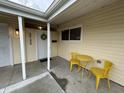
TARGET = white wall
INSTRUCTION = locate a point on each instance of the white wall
(4, 45)
(103, 37)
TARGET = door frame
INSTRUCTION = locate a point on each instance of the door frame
(36, 40)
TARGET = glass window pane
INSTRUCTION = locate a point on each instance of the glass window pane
(40, 5)
(65, 35)
(75, 33)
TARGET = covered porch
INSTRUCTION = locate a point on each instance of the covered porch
(91, 28)
(16, 65)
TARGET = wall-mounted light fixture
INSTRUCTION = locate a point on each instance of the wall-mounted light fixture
(39, 27)
(17, 33)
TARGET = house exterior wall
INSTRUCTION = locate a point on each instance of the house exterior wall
(54, 46)
(102, 37)
(30, 50)
(15, 45)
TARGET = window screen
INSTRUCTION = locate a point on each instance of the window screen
(75, 33)
(65, 35)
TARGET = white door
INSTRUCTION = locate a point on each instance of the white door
(4, 46)
(31, 52)
(42, 45)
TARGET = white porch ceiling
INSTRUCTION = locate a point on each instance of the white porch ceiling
(81, 7)
(60, 14)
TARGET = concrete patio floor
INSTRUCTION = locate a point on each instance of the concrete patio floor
(43, 83)
(13, 74)
(60, 69)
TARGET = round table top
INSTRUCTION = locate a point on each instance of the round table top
(84, 58)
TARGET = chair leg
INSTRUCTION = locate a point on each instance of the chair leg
(79, 68)
(82, 72)
(71, 65)
(108, 83)
(97, 82)
(89, 74)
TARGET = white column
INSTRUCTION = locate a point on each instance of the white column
(22, 46)
(48, 46)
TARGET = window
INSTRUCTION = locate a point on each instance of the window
(40, 5)
(71, 34)
(65, 35)
(75, 33)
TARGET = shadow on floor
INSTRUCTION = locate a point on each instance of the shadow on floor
(61, 81)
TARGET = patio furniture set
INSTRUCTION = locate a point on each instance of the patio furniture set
(82, 62)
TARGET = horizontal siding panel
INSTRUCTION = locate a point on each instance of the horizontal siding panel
(103, 37)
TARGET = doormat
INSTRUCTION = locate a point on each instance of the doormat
(44, 60)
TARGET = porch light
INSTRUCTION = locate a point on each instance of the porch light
(40, 27)
(17, 32)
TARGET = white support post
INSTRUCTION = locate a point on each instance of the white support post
(22, 46)
(48, 46)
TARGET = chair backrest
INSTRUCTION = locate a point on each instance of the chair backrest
(74, 55)
(107, 66)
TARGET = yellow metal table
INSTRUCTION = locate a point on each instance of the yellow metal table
(84, 61)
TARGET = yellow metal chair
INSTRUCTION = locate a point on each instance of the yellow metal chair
(74, 60)
(101, 73)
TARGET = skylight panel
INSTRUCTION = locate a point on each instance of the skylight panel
(40, 5)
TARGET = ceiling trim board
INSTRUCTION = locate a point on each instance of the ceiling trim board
(20, 13)
(69, 3)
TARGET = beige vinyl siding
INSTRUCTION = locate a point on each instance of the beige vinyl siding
(103, 37)
(15, 45)
(30, 50)
(54, 46)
